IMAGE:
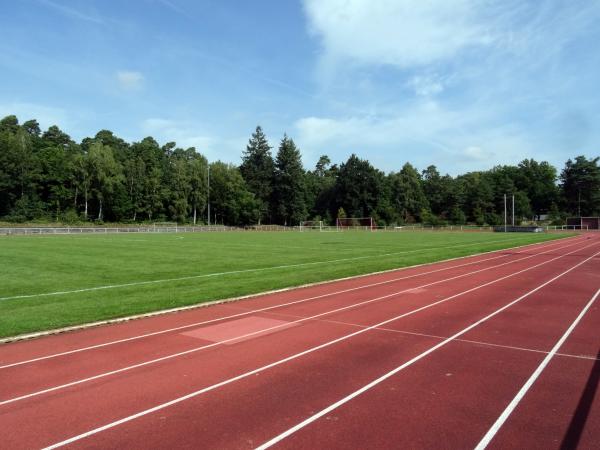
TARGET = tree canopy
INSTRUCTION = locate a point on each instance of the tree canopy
(47, 176)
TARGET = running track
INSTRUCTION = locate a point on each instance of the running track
(499, 350)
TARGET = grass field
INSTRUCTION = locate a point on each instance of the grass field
(54, 281)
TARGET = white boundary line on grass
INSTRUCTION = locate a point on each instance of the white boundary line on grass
(302, 300)
(534, 376)
(260, 294)
(235, 272)
(284, 325)
(311, 350)
(410, 362)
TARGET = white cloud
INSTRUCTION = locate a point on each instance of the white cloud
(423, 133)
(476, 153)
(401, 33)
(130, 80)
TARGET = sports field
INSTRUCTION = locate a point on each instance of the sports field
(54, 281)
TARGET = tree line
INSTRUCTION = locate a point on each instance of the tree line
(47, 176)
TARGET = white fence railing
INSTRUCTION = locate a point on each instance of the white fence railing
(106, 230)
(222, 228)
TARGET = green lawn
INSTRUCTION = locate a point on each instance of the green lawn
(31, 266)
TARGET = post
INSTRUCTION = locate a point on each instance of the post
(505, 213)
(208, 191)
(513, 210)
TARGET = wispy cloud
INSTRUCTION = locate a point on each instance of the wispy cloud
(130, 80)
(174, 7)
(73, 13)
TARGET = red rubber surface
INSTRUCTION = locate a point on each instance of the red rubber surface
(448, 399)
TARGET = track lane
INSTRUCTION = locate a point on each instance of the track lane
(350, 349)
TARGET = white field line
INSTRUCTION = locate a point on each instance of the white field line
(534, 376)
(234, 272)
(287, 359)
(305, 352)
(408, 363)
(254, 333)
(329, 294)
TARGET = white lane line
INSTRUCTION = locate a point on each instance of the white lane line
(314, 349)
(236, 272)
(410, 362)
(118, 341)
(285, 325)
(441, 338)
(534, 376)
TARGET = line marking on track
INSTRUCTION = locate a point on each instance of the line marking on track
(287, 324)
(441, 338)
(118, 341)
(236, 272)
(410, 362)
(532, 379)
(308, 351)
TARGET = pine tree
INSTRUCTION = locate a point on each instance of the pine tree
(289, 197)
(257, 169)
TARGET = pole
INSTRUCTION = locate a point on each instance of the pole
(513, 210)
(505, 213)
(208, 192)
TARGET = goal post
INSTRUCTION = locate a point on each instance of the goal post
(311, 225)
(162, 227)
(355, 223)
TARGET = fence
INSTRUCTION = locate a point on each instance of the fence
(106, 230)
(222, 228)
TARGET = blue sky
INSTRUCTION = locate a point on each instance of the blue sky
(462, 84)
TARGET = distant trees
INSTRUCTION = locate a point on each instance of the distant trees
(47, 176)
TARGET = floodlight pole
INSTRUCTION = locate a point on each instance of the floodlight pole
(208, 191)
(505, 213)
(513, 210)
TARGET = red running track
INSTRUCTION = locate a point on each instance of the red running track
(498, 350)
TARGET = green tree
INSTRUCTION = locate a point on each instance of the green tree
(580, 184)
(407, 194)
(538, 181)
(289, 197)
(258, 170)
(231, 201)
(358, 187)
(105, 174)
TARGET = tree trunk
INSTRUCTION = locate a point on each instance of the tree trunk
(100, 211)
(194, 215)
(85, 214)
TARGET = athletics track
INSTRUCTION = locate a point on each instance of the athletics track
(499, 350)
